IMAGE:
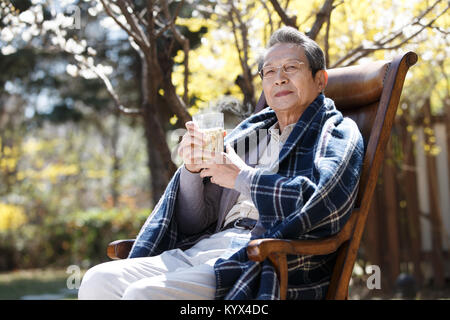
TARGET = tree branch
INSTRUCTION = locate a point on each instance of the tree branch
(183, 41)
(244, 81)
(150, 31)
(139, 15)
(321, 17)
(130, 32)
(132, 21)
(361, 51)
(269, 15)
(327, 45)
(174, 100)
(289, 21)
(236, 40)
(110, 89)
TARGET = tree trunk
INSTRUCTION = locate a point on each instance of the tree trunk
(248, 91)
(160, 162)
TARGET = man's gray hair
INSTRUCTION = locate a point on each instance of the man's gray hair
(313, 52)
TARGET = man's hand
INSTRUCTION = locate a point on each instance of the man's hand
(223, 168)
(191, 148)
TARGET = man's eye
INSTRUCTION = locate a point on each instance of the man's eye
(269, 71)
(291, 67)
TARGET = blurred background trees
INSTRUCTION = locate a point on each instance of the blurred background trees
(91, 90)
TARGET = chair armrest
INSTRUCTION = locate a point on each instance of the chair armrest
(260, 249)
(119, 249)
(276, 250)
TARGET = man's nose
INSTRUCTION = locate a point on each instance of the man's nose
(280, 77)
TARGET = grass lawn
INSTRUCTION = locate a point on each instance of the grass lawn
(36, 284)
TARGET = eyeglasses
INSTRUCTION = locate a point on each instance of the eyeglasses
(290, 68)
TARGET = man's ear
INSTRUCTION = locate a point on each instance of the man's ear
(321, 79)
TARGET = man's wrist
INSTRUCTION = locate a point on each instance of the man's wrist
(244, 180)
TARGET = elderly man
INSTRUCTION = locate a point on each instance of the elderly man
(193, 246)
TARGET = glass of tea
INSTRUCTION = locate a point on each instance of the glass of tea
(212, 126)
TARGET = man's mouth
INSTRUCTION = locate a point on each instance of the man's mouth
(283, 93)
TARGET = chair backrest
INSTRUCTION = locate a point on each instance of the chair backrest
(369, 94)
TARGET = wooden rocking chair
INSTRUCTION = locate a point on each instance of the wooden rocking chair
(369, 94)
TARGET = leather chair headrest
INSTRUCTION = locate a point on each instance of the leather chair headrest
(356, 86)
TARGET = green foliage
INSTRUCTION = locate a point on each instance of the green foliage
(77, 238)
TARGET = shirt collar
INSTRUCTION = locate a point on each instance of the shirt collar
(274, 132)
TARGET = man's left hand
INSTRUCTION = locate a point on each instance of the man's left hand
(223, 168)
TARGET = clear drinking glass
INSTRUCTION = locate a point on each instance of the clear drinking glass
(212, 126)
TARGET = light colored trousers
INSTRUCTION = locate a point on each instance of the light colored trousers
(174, 274)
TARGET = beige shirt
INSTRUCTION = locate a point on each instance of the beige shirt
(244, 207)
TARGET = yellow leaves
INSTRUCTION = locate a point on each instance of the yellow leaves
(40, 168)
(96, 174)
(435, 150)
(7, 151)
(173, 120)
(213, 66)
(193, 110)
(32, 146)
(9, 158)
(54, 171)
(179, 58)
(193, 24)
(432, 150)
(403, 204)
(428, 130)
(20, 176)
(430, 147)
(8, 164)
(11, 217)
(51, 172)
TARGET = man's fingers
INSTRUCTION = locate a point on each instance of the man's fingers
(206, 172)
(194, 130)
(192, 139)
(193, 158)
(197, 155)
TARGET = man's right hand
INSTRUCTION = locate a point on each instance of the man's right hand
(191, 148)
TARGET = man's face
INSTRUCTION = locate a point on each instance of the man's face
(290, 91)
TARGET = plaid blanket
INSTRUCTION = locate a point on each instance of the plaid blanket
(310, 196)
